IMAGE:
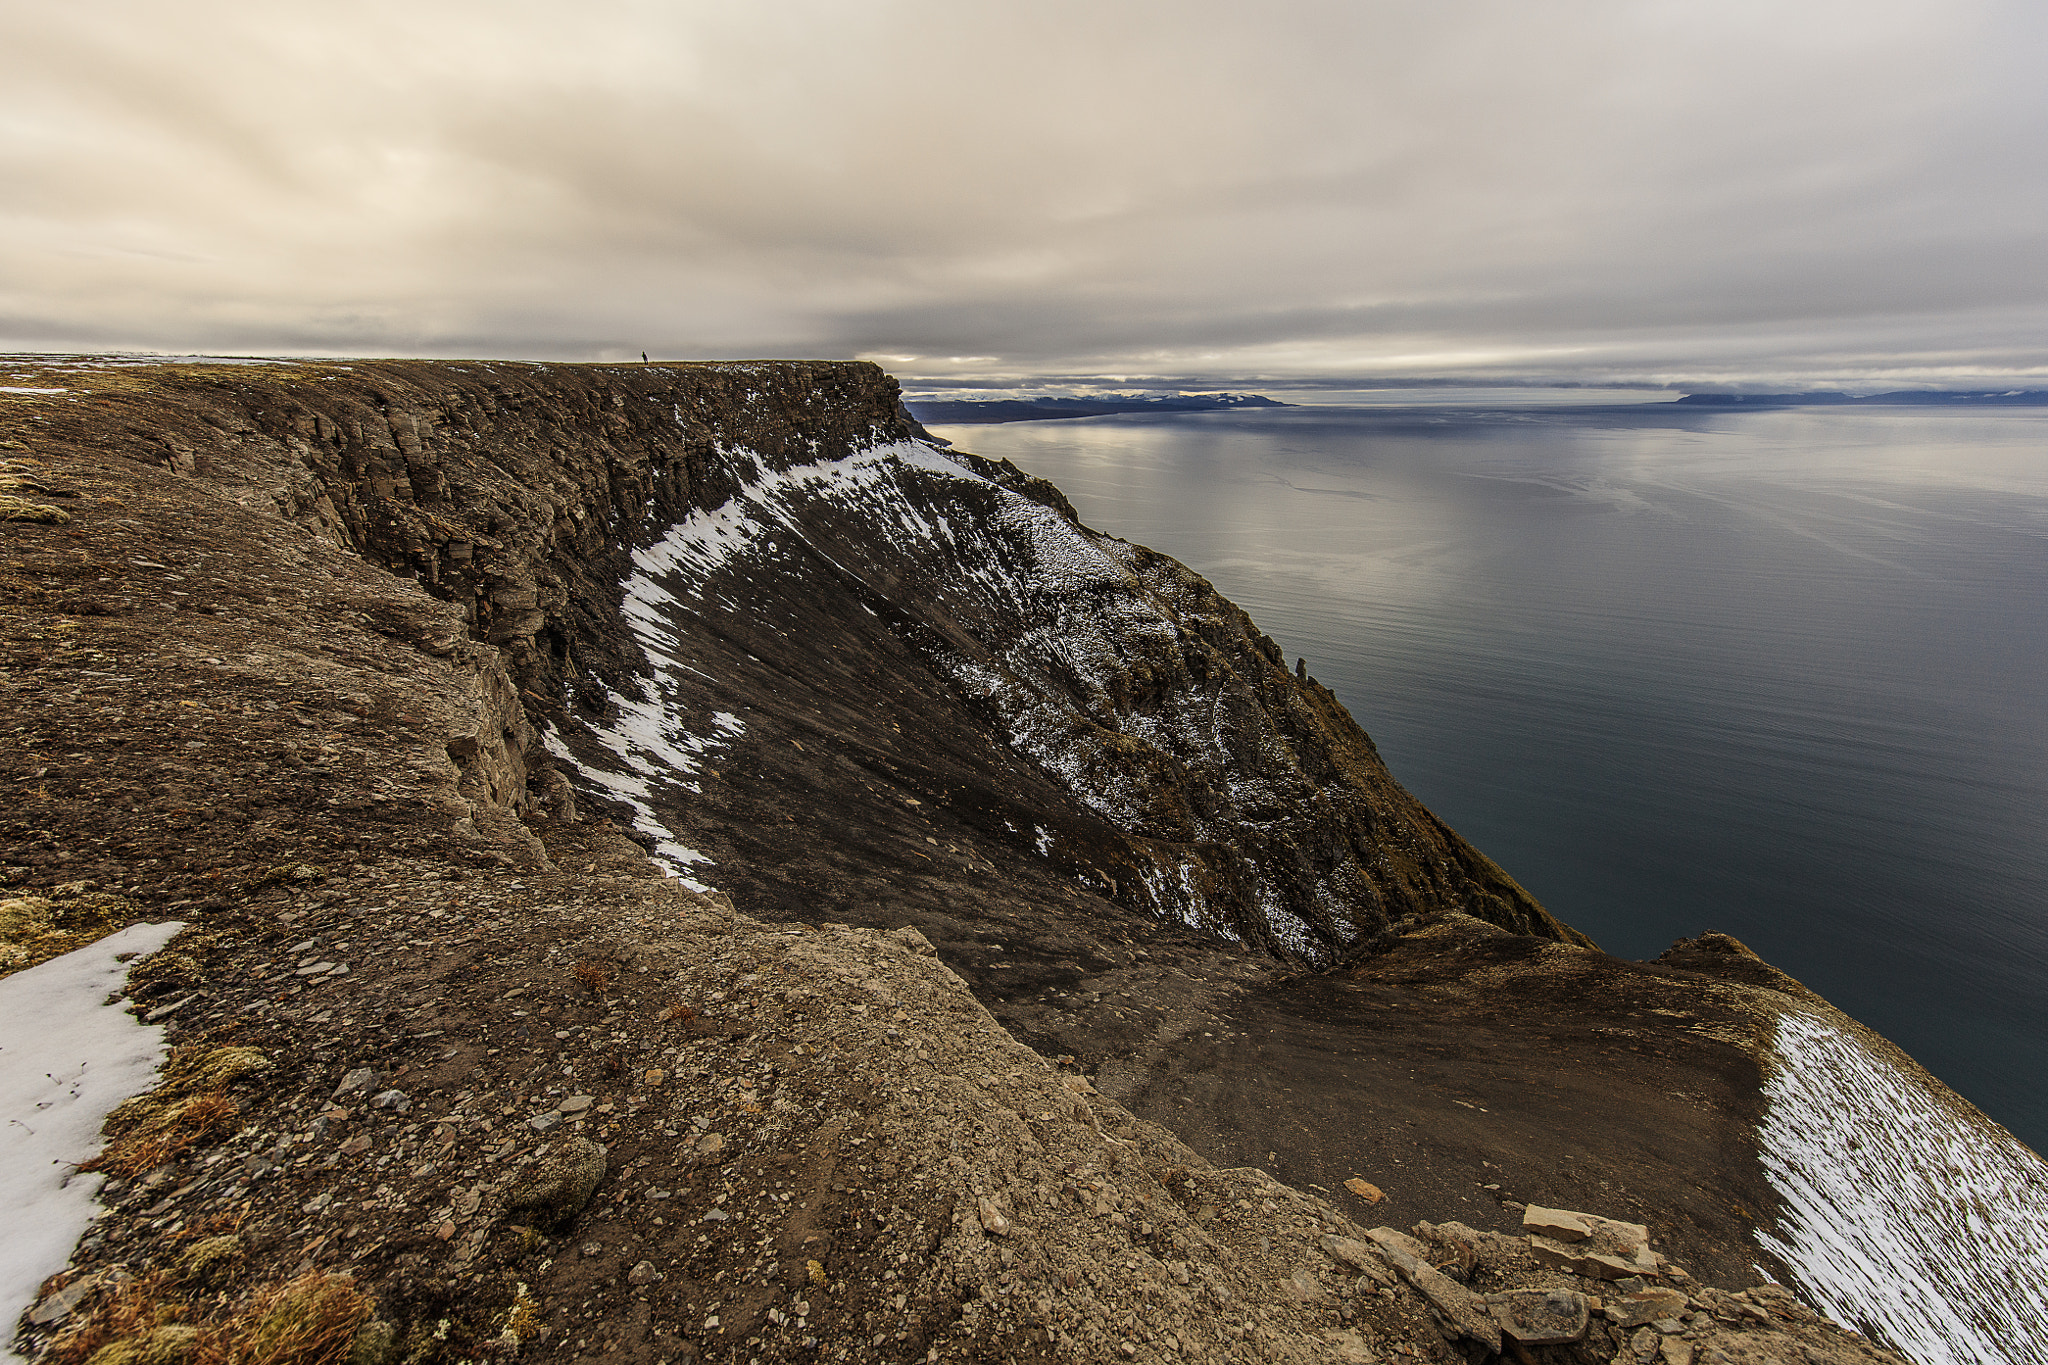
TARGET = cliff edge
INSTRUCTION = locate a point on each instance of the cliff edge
(1070, 908)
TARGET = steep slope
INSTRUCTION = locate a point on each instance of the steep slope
(448, 613)
(799, 555)
(1067, 696)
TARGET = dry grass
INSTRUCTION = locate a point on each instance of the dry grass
(34, 929)
(311, 1320)
(134, 1310)
(676, 1012)
(190, 1107)
(592, 973)
(168, 1133)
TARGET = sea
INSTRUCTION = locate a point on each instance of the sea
(1781, 673)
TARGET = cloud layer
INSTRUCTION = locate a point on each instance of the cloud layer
(1680, 191)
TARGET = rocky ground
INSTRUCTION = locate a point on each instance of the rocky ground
(443, 1032)
(593, 1116)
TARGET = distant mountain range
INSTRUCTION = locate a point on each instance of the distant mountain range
(968, 410)
(1918, 398)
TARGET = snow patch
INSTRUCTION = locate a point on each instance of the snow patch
(1290, 931)
(1174, 893)
(67, 1057)
(1906, 1211)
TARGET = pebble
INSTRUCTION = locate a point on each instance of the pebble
(59, 1303)
(362, 1080)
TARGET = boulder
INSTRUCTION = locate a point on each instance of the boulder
(559, 1185)
(1589, 1245)
(1456, 1247)
(1389, 1239)
(1541, 1317)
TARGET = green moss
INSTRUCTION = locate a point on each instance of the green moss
(375, 1343)
(211, 1263)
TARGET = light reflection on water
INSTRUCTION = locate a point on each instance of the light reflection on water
(1780, 674)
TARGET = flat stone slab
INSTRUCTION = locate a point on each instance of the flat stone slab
(1363, 1257)
(1584, 1260)
(1559, 1225)
(1395, 1239)
(1642, 1306)
(1464, 1311)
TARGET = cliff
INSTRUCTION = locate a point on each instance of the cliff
(400, 681)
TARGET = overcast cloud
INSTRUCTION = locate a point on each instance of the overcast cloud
(1689, 191)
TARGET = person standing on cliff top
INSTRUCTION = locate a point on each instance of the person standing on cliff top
(643, 358)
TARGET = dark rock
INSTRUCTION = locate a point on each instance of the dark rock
(554, 1192)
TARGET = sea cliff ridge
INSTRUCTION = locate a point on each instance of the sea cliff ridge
(900, 921)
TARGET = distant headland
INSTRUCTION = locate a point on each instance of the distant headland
(1917, 398)
(973, 410)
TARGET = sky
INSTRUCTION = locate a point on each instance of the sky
(1693, 193)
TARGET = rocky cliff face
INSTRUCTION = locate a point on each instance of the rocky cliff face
(653, 547)
(296, 639)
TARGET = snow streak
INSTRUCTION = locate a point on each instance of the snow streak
(1055, 611)
(1907, 1212)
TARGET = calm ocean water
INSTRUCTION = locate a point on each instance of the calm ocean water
(1779, 674)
